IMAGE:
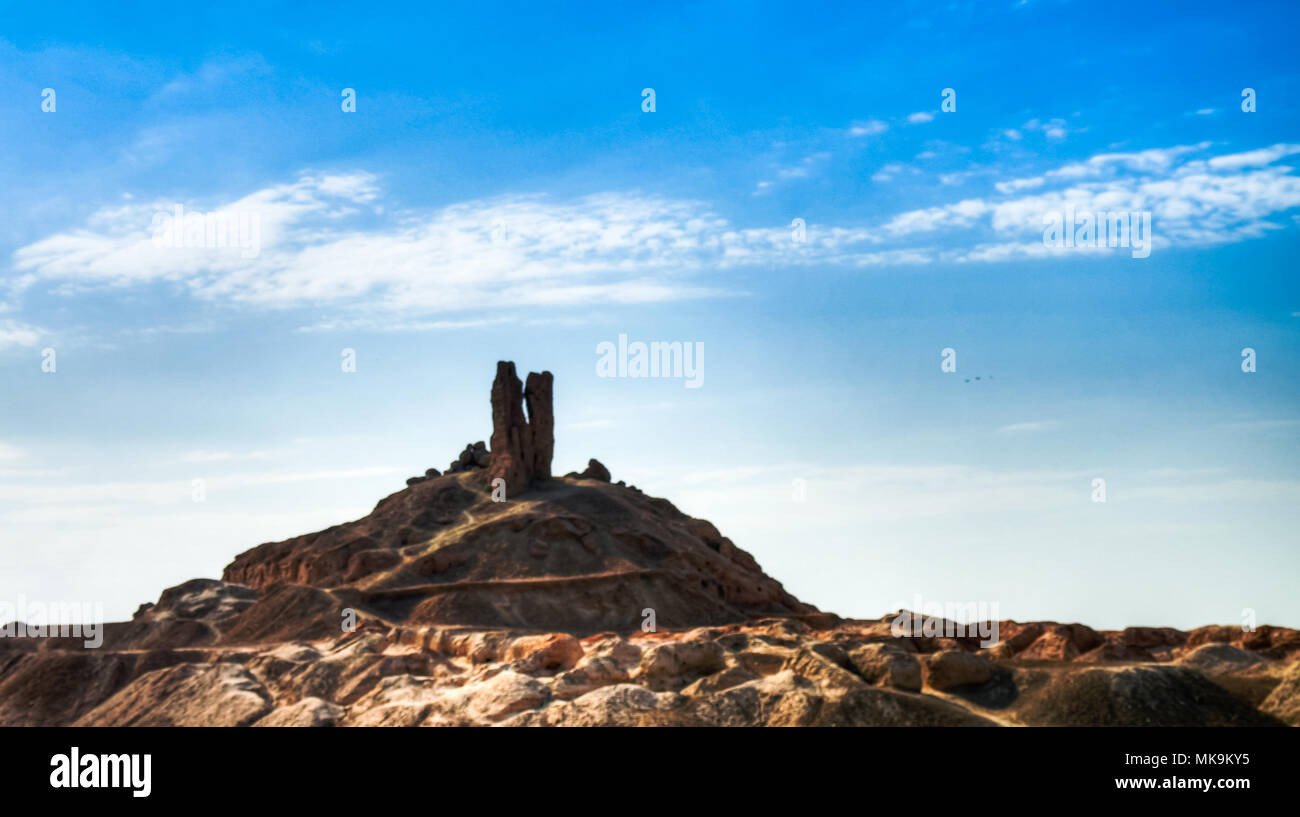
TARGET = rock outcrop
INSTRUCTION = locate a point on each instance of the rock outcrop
(541, 423)
(595, 471)
(521, 446)
(573, 554)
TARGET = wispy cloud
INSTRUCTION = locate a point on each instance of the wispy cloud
(331, 239)
(871, 127)
(214, 74)
(1053, 129)
(322, 242)
(17, 333)
(1194, 202)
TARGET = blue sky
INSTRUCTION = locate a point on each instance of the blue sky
(499, 193)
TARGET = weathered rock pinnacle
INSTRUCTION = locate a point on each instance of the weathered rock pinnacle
(521, 446)
(537, 396)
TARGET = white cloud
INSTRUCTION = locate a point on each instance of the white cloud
(962, 214)
(1146, 161)
(1253, 158)
(871, 127)
(805, 168)
(920, 117)
(1019, 184)
(887, 172)
(317, 247)
(331, 240)
(1054, 129)
(213, 74)
(323, 243)
(386, 324)
(1193, 202)
(16, 333)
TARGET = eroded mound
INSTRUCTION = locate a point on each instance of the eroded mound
(573, 554)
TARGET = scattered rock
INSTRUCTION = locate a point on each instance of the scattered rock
(202, 600)
(474, 456)
(505, 694)
(595, 471)
(616, 705)
(556, 651)
(957, 668)
(728, 678)
(884, 664)
(593, 674)
(1054, 645)
(675, 664)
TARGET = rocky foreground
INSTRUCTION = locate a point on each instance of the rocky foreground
(213, 653)
(498, 594)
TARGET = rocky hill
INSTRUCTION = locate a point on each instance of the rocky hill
(496, 593)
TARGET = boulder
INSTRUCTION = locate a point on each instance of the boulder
(595, 471)
(956, 668)
(673, 665)
(538, 653)
(201, 599)
(885, 664)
